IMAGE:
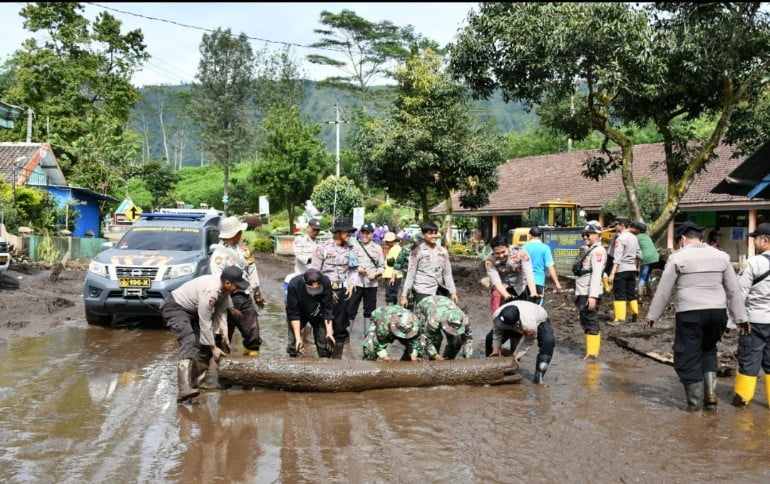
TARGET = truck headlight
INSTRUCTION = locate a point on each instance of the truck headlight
(99, 269)
(180, 270)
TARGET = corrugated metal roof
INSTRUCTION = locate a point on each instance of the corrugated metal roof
(751, 178)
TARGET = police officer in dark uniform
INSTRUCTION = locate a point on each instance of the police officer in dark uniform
(309, 301)
(706, 291)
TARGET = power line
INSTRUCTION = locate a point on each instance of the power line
(206, 29)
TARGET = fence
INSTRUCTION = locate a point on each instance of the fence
(79, 248)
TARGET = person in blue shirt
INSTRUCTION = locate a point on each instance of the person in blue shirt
(542, 261)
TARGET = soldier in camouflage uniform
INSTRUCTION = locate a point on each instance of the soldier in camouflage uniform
(335, 259)
(389, 324)
(232, 251)
(438, 315)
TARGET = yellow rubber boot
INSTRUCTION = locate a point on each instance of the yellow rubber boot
(248, 352)
(634, 305)
(606, 283)
(593, 344)
(744, 389)
(767, 389)
(620, 311)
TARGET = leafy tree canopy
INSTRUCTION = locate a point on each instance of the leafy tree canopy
(620, 64)
(337, 196)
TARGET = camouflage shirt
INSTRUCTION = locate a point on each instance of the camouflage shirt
(433, 313)
(380, 335)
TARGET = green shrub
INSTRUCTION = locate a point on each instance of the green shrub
(263, 246)
(46, 251)
(459, 249)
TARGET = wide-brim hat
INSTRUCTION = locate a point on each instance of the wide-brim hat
(403, 328)
(389, 237)
(685, 226)
(230, 227)
(455, 323)
(342, 225)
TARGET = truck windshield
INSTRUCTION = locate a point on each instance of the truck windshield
(160, 238)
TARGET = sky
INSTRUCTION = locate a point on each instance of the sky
(174, 48)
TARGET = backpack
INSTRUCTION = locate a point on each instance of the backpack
(577, 267)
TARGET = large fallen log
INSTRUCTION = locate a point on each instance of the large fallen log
(323, 375)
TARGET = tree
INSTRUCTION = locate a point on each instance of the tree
(337, 196)
(668, 64)
(291, 160)
(429, 142)
(159, 179)
(371, 49)
(652, 200)
(222, 101)
(77, 78)
(280, 82)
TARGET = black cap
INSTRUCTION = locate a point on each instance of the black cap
(367, 227)
(535, 231)
(234, 274)
(623, 220)
(509, 315)
(428, 226)
(640, 226)
(762, 229)
(342, 224)
(313, 284)
(686, 226)
(313, 223)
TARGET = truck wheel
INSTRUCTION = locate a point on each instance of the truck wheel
(97, 319)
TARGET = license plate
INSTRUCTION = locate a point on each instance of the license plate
(134, 282)
(3, 259)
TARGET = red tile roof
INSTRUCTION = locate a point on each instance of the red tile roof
(524, 182)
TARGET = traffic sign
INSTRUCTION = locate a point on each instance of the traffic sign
(132, 213)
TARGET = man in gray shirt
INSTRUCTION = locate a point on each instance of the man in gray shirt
(430, 271)
(706, 291)
(753, 347)
(625, 267)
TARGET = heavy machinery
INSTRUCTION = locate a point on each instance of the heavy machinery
(562, 223)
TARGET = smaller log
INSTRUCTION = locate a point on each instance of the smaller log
(58, 268)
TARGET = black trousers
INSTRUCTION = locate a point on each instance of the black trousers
(695, 342)
(341, 321)
(319, 337)
(368, 295)
(589, 319)
(185, 327)
(248, 325)
(754, 350)
(546, 342)
(391, 292)
(624, 286)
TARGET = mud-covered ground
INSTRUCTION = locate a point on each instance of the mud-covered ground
(41, 304)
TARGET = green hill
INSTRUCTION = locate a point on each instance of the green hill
(181, 142)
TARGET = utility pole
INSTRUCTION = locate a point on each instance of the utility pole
(337, 123)
(30, 113)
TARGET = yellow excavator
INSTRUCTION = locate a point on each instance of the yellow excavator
(561, 231)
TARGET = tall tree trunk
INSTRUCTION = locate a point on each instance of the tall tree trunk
(448, 218)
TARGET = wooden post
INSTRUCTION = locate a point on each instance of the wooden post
(494, 225)
(752, 227)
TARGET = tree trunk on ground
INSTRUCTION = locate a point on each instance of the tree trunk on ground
(323, 375)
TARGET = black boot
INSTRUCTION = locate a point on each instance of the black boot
(183, 376)
(338, 347)
(540, 368)
(694, 394)
(710, 390)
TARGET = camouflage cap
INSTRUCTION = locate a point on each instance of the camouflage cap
(455, 322)
(405, 325)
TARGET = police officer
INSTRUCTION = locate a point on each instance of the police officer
(510, 273)
(517, 319)
(232, 251)
(754, 340)
(625, 267)
(706, 291)
(335, 259)
(195, 312)
(309, 301)
(390, 324)
(371, 265)
(439, 316)
(430, 271)
(588, 286)
(305, 245)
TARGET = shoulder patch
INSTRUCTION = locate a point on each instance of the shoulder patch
(524, 255)
(744, 266)
(599, 257)
(218, 260)
(488, 263)
(212, 302)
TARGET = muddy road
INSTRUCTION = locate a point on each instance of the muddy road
(80, 403)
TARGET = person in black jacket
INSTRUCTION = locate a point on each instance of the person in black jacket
(309, 300)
